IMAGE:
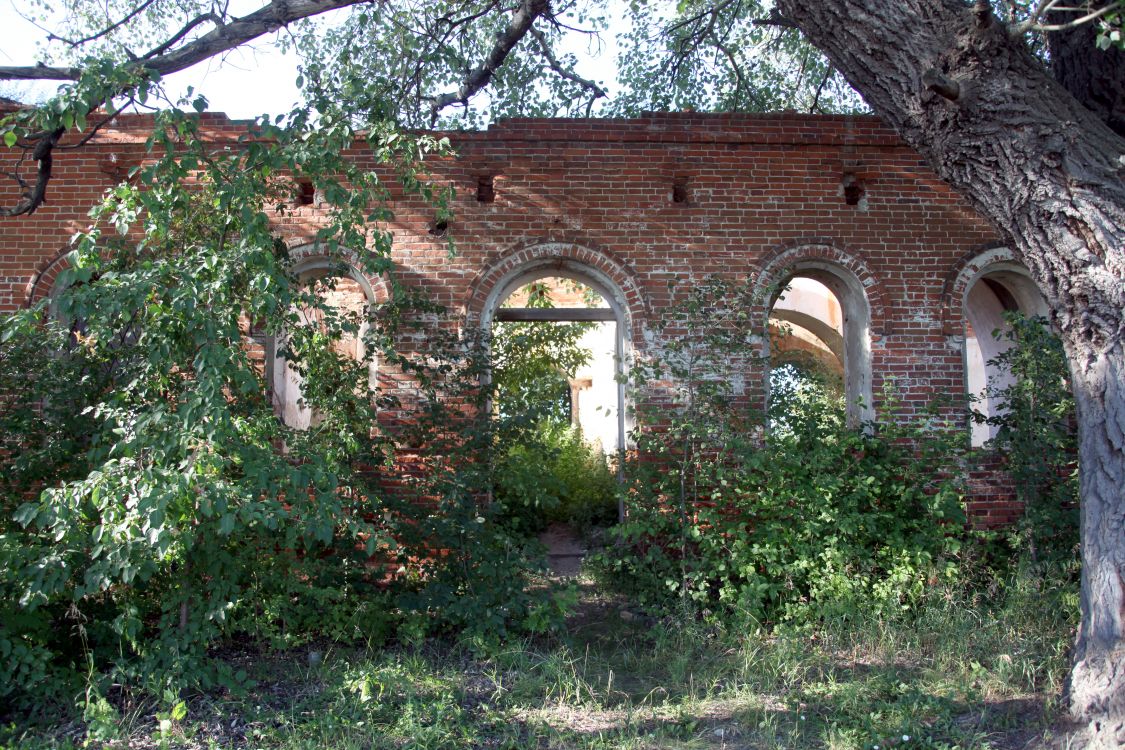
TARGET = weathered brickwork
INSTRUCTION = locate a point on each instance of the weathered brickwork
(644, 206)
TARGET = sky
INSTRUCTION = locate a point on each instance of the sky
(244, 83)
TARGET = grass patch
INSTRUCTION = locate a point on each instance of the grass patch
(961, 674)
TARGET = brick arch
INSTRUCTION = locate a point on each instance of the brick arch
(860, 297)
(561, 256)
(306, 256)
(42, 282)
(960, 278)
(794, 256)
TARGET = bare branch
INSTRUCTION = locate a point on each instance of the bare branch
(187, 28)
(478, 78)
(775, 19)
(566, 73)
(1036, 23)
(823, 81)
(110, 117)
(267, 19)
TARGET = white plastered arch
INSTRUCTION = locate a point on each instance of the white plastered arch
(285, 383)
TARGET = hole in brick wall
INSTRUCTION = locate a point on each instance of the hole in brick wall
(306, 193)
(439, 228)
(486, 189)
(680, 192)
(854, 190)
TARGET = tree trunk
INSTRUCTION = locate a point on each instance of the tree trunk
(994, 124)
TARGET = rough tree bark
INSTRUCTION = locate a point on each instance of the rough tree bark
(1047, 171)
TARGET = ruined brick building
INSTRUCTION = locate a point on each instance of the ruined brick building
(897, 272)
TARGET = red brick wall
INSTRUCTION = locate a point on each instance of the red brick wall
(759, 193)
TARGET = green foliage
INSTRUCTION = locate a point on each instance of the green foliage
(1036, 436)
(532, 362)
(717, 56)
(814, 517)
(548, 472)
(554, 475)
(156, 505)
(963, 671)
(396, 58)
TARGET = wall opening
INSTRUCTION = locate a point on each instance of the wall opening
(348, 298)
(999, 289)
(820, 326)
(587, 295)
(576, 329)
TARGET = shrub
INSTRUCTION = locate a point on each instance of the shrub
(1037, 438)
(153, 503)
(812, 516)
(554, 475)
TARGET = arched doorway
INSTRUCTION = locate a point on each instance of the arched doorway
(347, 295)
(820, 319)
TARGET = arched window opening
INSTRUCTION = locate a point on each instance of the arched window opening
(819, 334)
(1002, 288)
(555, 356)
(565, 469)
(347, 300)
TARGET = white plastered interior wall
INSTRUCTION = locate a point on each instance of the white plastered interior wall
(984, 317)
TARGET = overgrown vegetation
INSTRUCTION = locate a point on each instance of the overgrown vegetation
(812, 517)
(549, 472)
(1036, 438)
(963, 673)
(177, 514)
(154, 506)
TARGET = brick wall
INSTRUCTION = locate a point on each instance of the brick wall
(648, 205)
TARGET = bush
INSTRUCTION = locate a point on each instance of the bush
(812, 517)
(154, 506)
(1037, 438)
(556, 476)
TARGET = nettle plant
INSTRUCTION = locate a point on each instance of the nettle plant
(789, 515)
(153, 502)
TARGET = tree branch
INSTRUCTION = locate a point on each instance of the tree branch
(478, 78)
(1036, 21)
(225, 37)
(107, 30)
(566, 73)
(268, 18)
(34, 197)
